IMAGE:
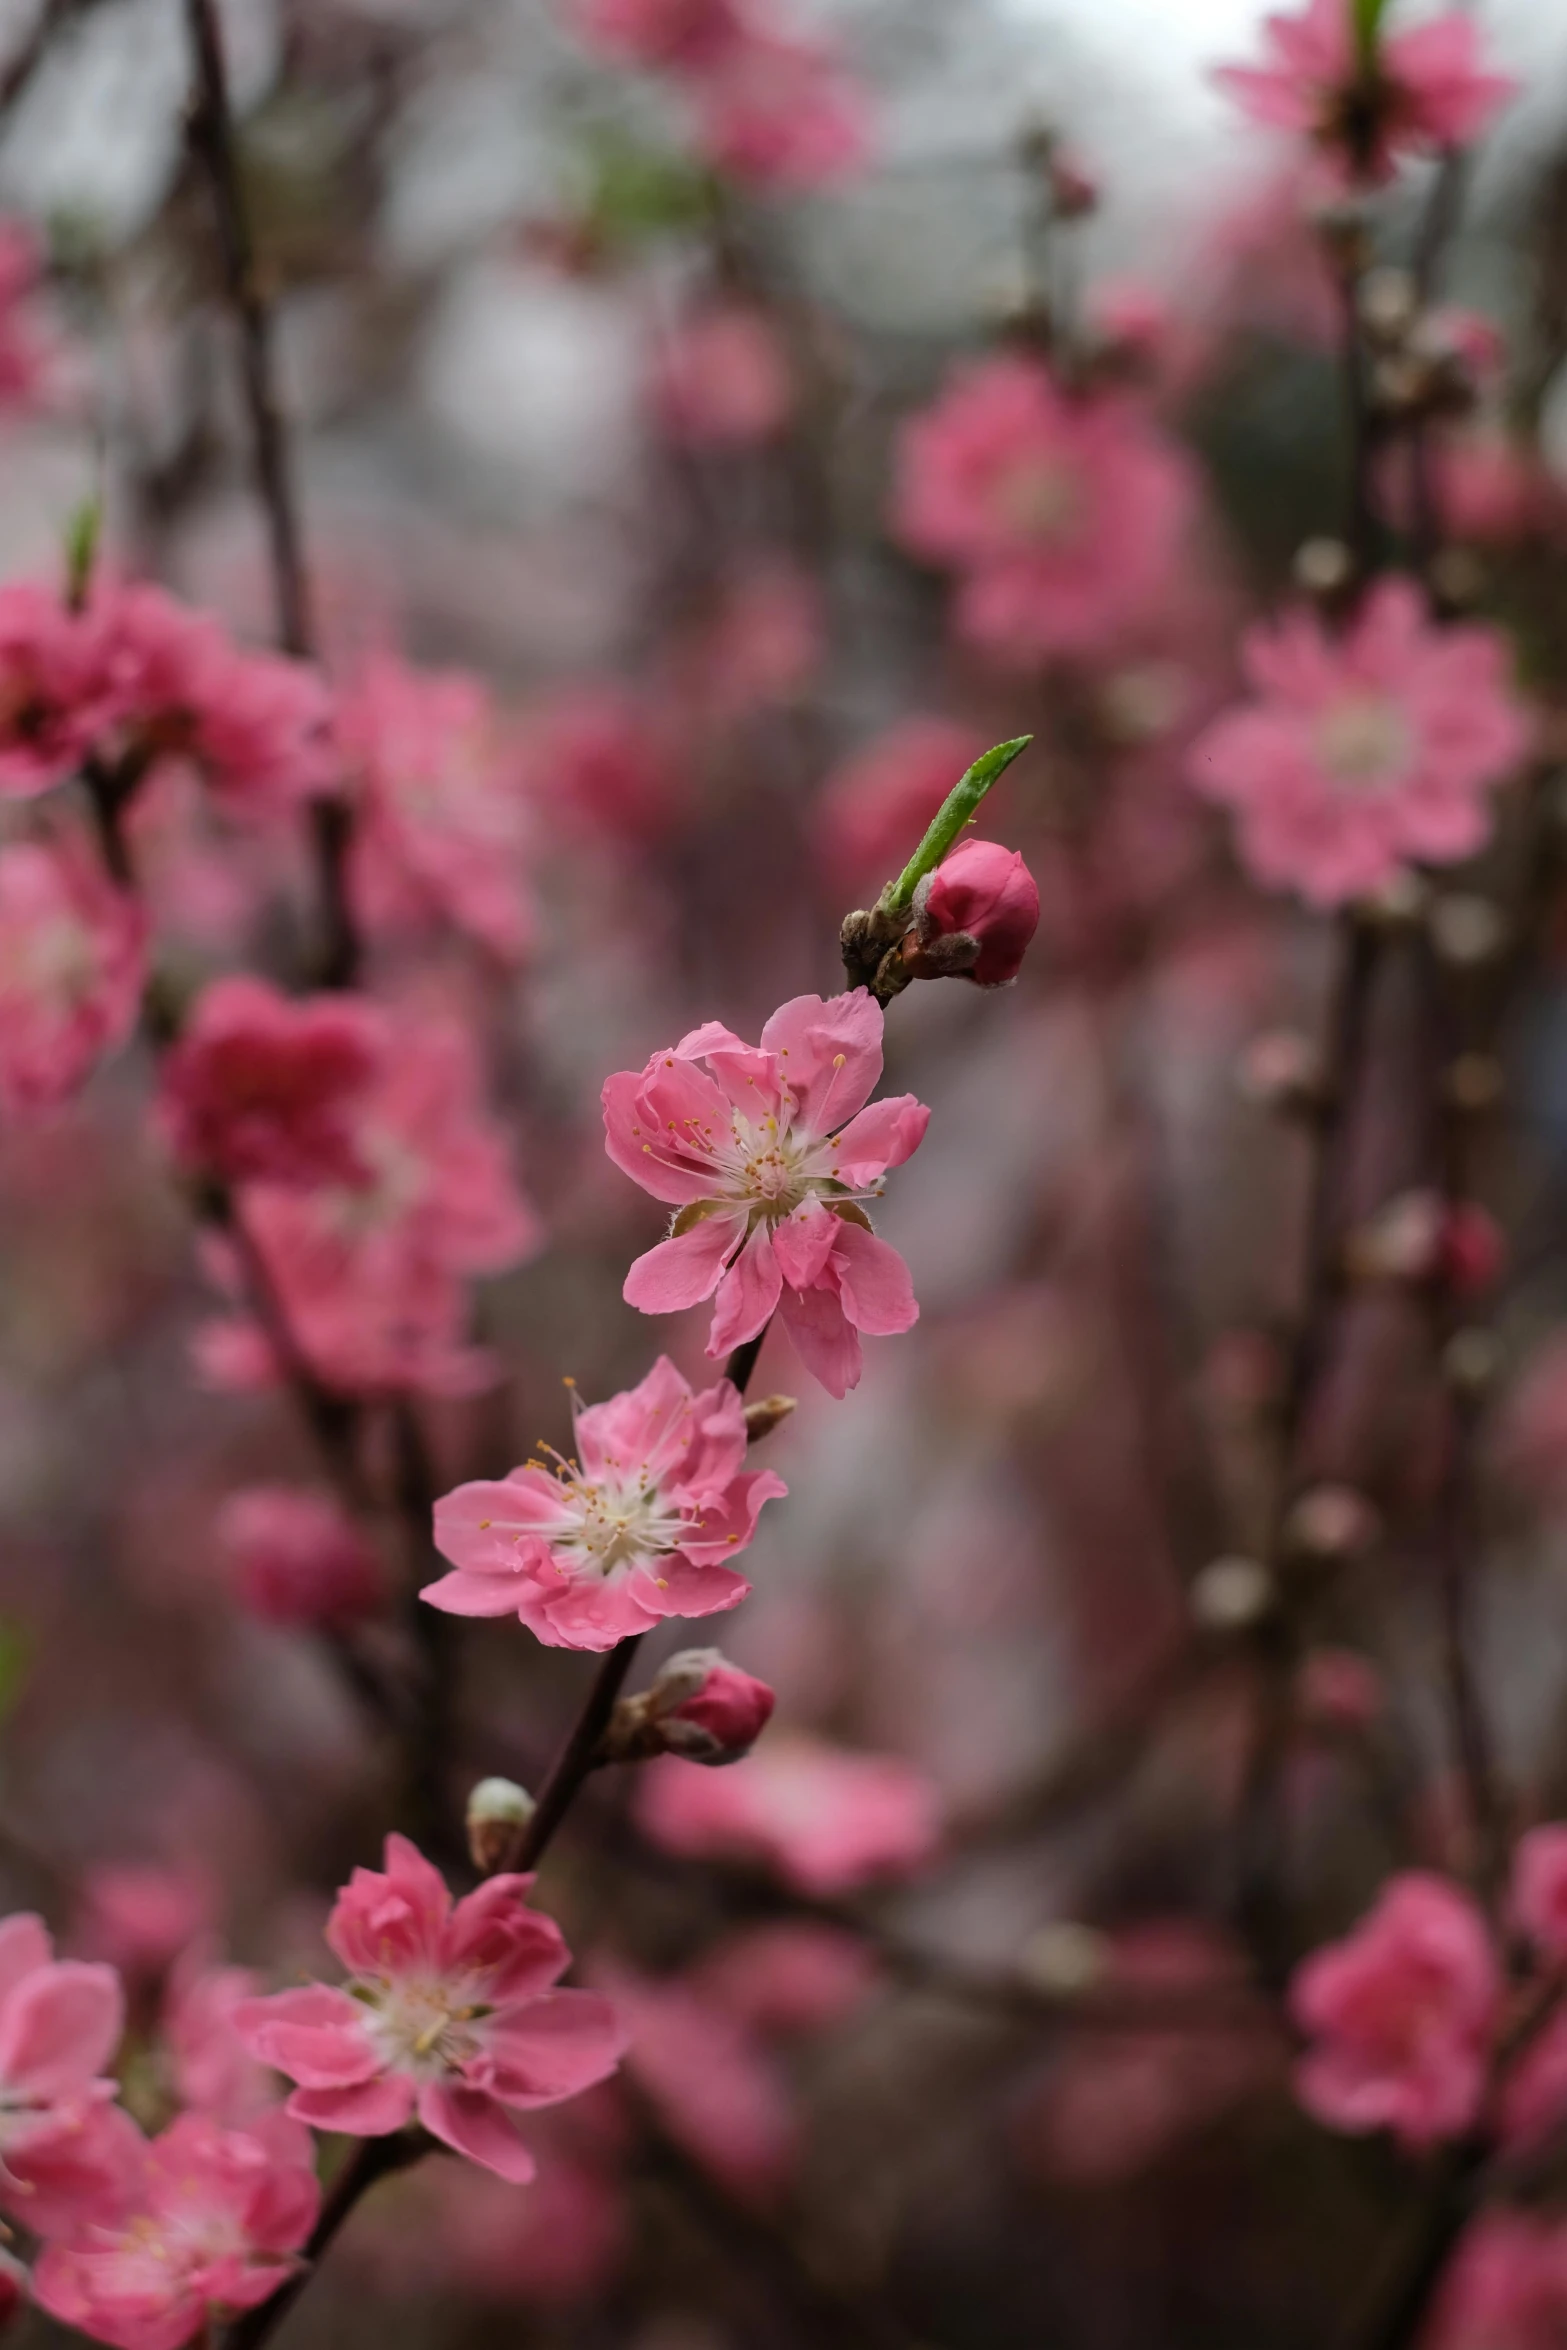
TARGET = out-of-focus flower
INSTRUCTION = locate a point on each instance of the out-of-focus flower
(1359, 754)
(594, 763)
(441, 826)
(715, 2085)
(211, 2069)
(262, 1087)
(779, 111)
(794, 1975)
(370, 1276)
(1534, 2093)
(1063, 516)
(210, 2222)
(676, 36)
(721, 379)
(60, 2023)
(987, 893)
(1419, 1237)
(140, 1915)
(1338, 1690)
(766, 1158)
(27, 351)
(447, 2226)
(705, 1709)
(1423, 89)
(876, 805)
(1533, 1433)
(16, 2289)
(297, 1558)
(1506, 2288)
(828, 1821)
(1539, 1892)
(450, 2014)
(1401, 2015)
(760, 648)
(57, 693)
(640, 1524)
(72, 963)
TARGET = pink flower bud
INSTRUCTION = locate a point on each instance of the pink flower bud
(985, 892)
(706, 1709)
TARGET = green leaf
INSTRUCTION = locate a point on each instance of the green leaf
(637, 194)
(82, 534)
(956, 810)
(1368, 15)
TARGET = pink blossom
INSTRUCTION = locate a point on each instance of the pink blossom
(297, 1558)
(641, 1523)
(985, 892)
(766, 1157)
(1339, 1690)
(60, 2023)
(263, 1087)
(706, 1709)
(676, 36)
(722, 379)
(762, 646)
(1063, 516)
(826, 1820)
(56, 691)
(211, 2069)
(72, 963)
(593, 762)
(876, 805)
(448, 2226)
(778, 111)
(140, 1915)
(1401, 2015)
(371, 1276)
(1506, 2287)
(27, 354)
(1539, 1892)
(1533, 2102)
(449, 2014)
(717, 2089)
(1427, 89)
(794, 1975)
(441, 831)
(210, 2222)
(1362, 753)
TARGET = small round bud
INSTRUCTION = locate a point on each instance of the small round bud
(1467, 931)
(986, 893)
(1231, 1595)
(1398, 904)
(1331, 1523)
(1338, 1690)
(1281, 1071)
(1389, 303)
(1324, 568)
(1064, 1959)
(1420, 1240)
(766, 1414)
(1471, 1360)
(698, 1705)
(498, 1812)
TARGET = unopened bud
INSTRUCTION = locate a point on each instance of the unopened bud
(766, 1414)
(1458, 579)
(1324, 568)
(1331, 1523)
(1471, 1360)
(1389, 302)
(1419, 1239)
(1064, 1959)
(986, 894)
(1338, 1690)
(1231, 1595)
(1398, 904)
(698, 1706)
(1281, 1071)
(1467, 931)
(498, 1812)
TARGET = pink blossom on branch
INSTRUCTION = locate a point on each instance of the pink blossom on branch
(60, 2023)
(1401, 2015)
(1358, 755)
(1061, 515)
(209, 2221)
(721, 380)
(1427, 89)
(986, 893)
(450, 2015)
(261, 1087)
(766, 1153)
(57, 692)
(828, 1821)
(779, 111)
(297, 1558)
(642, 1523)
(1539, 1890)
(72, 964)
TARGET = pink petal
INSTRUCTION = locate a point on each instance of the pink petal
(24, 1947)
(371, 2109)
(825, 1341)
(831, 1055)
(316, 2035)
(882, 1136)
(748, 1294)
(472, 2123)
(803, 1241)
(874, 1283)
(684, 1271)
(553, 2047)
(462, 1594)
(60, 2028)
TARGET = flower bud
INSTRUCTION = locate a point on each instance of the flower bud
(498, 1812)
(986, 893)
(1331, 1523)
(1064, 1959)
(706, 1709)
(1231, 1595)
(1338, 1690)
(1419, 1239)
(766, 1414)
(1281, 1070)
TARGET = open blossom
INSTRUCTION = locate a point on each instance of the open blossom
(1427, 89)
(1506, 2287)
(210, 2221)
(779, 111)
(641, 1523)
(27, 353)
(60, 2023)
(450, 2015)
(298, 1558)
(1401, 2015)
(210, 2068)
(722, 379)
(1062, 516)
(766, 1154)
(827, 1820)
(1362, 753)
(72, 962)
(56, 688)
(260, 1086)
(371, 1275)
(440, 834)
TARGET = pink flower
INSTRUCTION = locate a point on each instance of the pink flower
(722, 380)
(1340, 1690)
(27, 355)
(705, 1709)
(441, 830)
(1539, 1895)
(1361, 753)
(676, 36)
(593, 762)
(1506, 2288)
(640, 1524)
(72, 965)
(778, 111)
(140, 1915)
(263, 1087)
(370, 1275)
(1533, 2102)
(718, 2090)
(210, 2222)
(1426, 91)
(60, 2023)
(985, 892)
(56, 694)
(212, 2070)
(792, 1976)
(297, 1558)
(827, 1821)
(766, 1158)
(1063, 516)
(449, 2014)
(876, 805)
(1401, 2015)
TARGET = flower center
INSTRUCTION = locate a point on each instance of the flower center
(1364, 742)
(422, 2028)
(616, 1522)
(1040, 500)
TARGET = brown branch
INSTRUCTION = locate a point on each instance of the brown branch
(370, 2160)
